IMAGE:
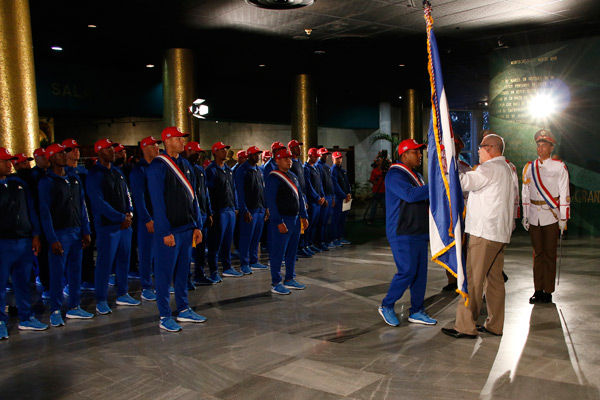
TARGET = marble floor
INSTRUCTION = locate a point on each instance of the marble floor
(326, 342)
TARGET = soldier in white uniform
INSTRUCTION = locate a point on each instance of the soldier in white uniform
(546, 209)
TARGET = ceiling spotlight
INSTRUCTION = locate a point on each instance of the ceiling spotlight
(402, 65)
(149, 65)
(198, 109)
(400, 97)
(262, 65)
(92, 26)
(280, 4)
(56, 48)
(308, 31)
(320, 52)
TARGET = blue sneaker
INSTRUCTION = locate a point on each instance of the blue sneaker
(112, 280)
(389, 316)
(190, 316)
(280, 289)
(169, 325)
(337, 243)
(203, 281)
(56, 319)
(102, 308)
(421, 318)
(191, 285)
(230, 272)
(148, 295)
(302, 253)
(78, 313)
(46, 295)
(215, 278)
(294, 284)
(9, 287)
(32, 324)
(3, 330)
(127, 300)
(38, 283)
(309, 251)
(87, 287)
(66, 291)
(171, 290)
(315, 249)
(246, 270)
(323, 247)
(259, 267)
(330, 245)
(344, 241)
(133, 275)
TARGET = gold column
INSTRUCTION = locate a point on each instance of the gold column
(411, 116)
(304, 112)
(19, 124)
(179, 90)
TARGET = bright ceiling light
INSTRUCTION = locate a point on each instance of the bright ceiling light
(542, 105)
(149, 65)
(56, 48)
(92, 26)
(198, 109)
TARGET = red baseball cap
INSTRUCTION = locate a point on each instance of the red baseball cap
(104, 144)
(21, 157)
(194, 146)
(336, 154)
(71, 143)
(41, 152)
(294, 143)
(219, 146)
(313, 151)
(56, 148)
(409, 144)
(5, 155)
(283, 153)
(242, 154)
(149, 140)
(119, 147)
(206, 163)
(277, 145)
(322, 151)
(253, 150)
(172, 131)
(266, 155)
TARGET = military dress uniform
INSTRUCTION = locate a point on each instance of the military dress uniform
(546, 200)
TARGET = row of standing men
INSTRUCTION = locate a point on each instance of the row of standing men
(181, 209)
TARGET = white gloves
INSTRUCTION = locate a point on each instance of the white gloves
(525, 223)
(562, 224)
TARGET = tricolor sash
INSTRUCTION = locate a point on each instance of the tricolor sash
(286, 180)
(537, 180)
(171, 164)
(413, 176)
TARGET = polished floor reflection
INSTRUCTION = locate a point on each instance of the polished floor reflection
(326, 342)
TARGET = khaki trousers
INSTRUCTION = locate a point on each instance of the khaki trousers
(545, 242)
(485, 261)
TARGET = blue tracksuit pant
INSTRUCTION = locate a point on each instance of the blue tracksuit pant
(68, 264)
(173, 263)
(198, 252)
(338, 220)
(16, 260)
(283, 246)
(146, 255)
(410, 255)
(114, 245)
(313, 216)
(220, 236)
(250, 236)
(324, 216)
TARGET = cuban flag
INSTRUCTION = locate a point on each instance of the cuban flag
(445, 195)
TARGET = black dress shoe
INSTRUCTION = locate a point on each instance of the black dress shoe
(483, 329)
(451, 287)
(537, 297)
(456, 334)
(547, 298)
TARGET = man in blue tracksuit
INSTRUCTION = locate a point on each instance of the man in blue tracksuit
(407, 229)
(326, 211)
(192, 154)
(65, 222)
(113, 213)
(270, 165)
(19, 242)
(295, 148)
(249, 184)
(315, 196)
(223, 199)
(288, 218)
(145, 219)
(176, 230)
(342, 190)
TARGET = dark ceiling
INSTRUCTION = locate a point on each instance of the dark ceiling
(355, 47)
